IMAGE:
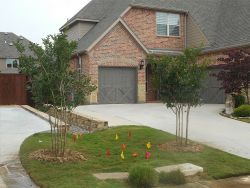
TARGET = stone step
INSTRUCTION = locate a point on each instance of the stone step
(187, 169)
(114, 176)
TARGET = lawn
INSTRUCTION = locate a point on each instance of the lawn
(247, 120)
(217, 164)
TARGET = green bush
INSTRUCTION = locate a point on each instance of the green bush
(238, 100)
(242, 111)
(174, 177)
(143, 176)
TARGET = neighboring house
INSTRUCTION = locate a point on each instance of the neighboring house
(8, 53)
(115, 36)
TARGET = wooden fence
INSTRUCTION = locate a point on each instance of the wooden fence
(13, 89)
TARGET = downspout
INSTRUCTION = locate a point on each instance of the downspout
(185, 45)
(80, 63)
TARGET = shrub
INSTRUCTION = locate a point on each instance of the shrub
(143, 176)
(238, 100)
(242, 111)
(174, 177)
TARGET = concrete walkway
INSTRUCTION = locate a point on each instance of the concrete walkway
(16, 124)
(206, 125)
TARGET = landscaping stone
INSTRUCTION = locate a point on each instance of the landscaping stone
(245, 180)
(114, 176)
(187, 169)
(84, 122)
(229, 104)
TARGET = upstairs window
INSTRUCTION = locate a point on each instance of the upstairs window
(168, 24)
(12, 63)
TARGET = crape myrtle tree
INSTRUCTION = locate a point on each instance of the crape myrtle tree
(179, 81)
(54, 85)
(235, 73)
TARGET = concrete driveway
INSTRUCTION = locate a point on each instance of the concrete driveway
(16, 124)
(206, 125)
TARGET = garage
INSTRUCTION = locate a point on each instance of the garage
(117, 85)
(212, 94)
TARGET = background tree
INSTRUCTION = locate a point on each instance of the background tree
(179, 81)
(235, 76)
(54, 85)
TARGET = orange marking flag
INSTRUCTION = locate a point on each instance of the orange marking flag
(74, 137)
(108, 152)
(129, 134)
(123, 147)
(135, 154)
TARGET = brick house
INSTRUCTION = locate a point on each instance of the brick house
(115, 36)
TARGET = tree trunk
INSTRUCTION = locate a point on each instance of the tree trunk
(176, 126)
(182, 123)
(187, 122)
(246, 91)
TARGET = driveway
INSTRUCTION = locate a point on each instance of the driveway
(206, 125)
(16, 124)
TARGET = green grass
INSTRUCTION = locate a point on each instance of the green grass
(247, 120)
(217, 164)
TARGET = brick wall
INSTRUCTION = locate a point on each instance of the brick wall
(143, 23)
(116, 49)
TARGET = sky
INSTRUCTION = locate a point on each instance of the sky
(35, 19)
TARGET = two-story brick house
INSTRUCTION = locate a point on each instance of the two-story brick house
(115, 36)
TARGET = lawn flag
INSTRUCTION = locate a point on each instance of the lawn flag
(122, 156)
(148, 145)
(116, 137)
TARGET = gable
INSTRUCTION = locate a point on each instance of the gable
(117, 44)
(78, 30)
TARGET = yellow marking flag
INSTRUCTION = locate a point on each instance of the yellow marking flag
(122, 156)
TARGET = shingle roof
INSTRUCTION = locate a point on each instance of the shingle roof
(7, 47)
(111, 12)
(225, 23)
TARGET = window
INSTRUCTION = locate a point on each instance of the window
(12, 63)
(168, 24)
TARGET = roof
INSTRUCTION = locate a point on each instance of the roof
(225, 23)
(7, 47)
(111, 13)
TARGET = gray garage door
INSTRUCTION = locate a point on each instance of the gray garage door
(117, 85)
(212, 94)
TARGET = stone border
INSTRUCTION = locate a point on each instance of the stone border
(78, 119)
(232, 117)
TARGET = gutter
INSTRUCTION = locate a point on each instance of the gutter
(77, 20)
(225, 48)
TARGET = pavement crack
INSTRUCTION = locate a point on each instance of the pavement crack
(205, 186)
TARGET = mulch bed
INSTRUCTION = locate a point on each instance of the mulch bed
(174, 147)
(47, 155)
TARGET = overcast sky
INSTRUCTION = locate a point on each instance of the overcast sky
(35, 19)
